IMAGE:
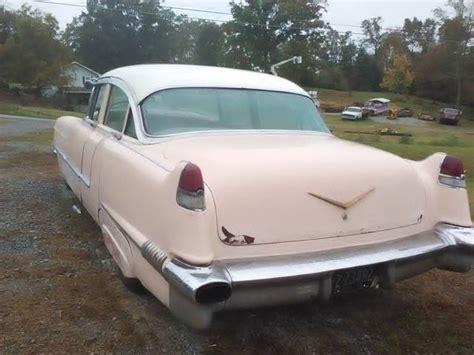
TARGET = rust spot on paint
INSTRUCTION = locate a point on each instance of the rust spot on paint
(231, 239)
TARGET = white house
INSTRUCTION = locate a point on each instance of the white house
(75, 92)
(78, 74)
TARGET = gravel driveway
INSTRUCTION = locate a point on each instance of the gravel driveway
(59, 290)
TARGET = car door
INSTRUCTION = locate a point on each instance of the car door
(110, 125)
(95, 134)
(71, 139)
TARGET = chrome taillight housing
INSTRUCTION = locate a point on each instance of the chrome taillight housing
(190, 193)
(451, 172)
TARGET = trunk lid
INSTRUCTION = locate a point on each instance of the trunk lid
(278, 188)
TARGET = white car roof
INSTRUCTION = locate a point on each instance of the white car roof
(380, 99)
(146, 79)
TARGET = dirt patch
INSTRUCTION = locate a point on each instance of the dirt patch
(60, 292)
(405, 121)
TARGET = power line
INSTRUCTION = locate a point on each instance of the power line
(190, 17)
(188, 9)
(235, 21)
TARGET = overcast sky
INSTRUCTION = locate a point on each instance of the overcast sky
(339, 12)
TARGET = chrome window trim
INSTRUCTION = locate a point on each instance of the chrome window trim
(133, 105)
(104, 122)
(159, 137)
(164, 138)
(125, 126)
(87, 118)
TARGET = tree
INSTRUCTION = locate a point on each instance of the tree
(117, 33)
(372, 29)
(374, 38)
(32, 54)
(6, 24)
(457, 33)
(398, 76)
(209, 44)
(366, 72)
(432, 71)
(419, 36)
(261, 27)
(338, 55)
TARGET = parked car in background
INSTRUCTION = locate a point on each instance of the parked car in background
(352, 113)
(449, 116)
(426, 116)
(405, 112)
(377, 106)
(223, 189)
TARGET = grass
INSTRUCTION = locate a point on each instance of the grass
(8, 108)
(39, 137)
(425, 141)
(334, 98)
(30, 106)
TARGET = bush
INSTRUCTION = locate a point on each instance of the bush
(450, 141)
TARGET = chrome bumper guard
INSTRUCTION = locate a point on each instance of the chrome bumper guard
(294, 278)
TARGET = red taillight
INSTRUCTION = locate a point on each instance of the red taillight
(191, 178)
(452, 166)
(190, 193)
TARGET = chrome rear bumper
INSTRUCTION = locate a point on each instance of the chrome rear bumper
(246, 283)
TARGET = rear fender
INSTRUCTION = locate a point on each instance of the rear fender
(444, 203)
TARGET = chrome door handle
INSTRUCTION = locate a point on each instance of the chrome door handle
(93, 123)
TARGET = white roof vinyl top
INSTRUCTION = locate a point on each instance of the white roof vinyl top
(145, 79)
(381, 99)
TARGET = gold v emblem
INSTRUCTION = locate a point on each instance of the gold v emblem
(343, 205)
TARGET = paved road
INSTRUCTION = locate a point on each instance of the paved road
(59, 290)
(11, 125)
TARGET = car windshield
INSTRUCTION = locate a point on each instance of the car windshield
(353, 109)
(451, 111)
(201, 109)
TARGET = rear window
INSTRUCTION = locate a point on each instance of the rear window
(199, 109)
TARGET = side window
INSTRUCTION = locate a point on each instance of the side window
(117, 109)
(97, 97)
(130, 126)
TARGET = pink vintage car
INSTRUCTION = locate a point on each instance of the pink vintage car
(222, 189)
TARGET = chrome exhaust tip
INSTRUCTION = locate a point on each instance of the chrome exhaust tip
(214, 292)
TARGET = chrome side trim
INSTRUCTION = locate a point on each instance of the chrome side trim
(76, 171)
